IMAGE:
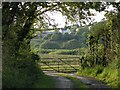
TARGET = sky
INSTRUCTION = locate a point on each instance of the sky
(60, 20)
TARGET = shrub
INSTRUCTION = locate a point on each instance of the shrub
(21, 72)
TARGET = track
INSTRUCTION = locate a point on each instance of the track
(92, 83)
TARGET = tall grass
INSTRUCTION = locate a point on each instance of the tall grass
(107, 74)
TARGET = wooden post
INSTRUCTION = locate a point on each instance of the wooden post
(58, 65)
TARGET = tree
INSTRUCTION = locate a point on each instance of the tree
(94, 39)
(47, 37)
(65, 37)
(71, 44)
(56, 37)
(81, 35)
(49, 45)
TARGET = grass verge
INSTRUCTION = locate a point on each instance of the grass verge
(108, 74)
(45, 81)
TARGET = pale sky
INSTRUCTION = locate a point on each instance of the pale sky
(58, 17)
(99, 16)
(60, 20)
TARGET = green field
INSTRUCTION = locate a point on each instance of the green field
(57, 56)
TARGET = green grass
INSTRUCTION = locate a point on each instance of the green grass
(110, 74)
(44, 81)
(59, 51)
(107, 74)
(77, 82)
(65, 52)
(57, 56)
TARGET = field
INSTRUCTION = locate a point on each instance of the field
(59, 51)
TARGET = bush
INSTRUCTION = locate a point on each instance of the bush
(21, 72)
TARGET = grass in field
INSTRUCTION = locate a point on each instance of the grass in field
(45, 82)
(59, 51)
(57, 56)
(77, 83)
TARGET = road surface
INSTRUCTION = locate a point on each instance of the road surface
(92, 83)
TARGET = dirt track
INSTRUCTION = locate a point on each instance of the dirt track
(62, 82)
(92, 83)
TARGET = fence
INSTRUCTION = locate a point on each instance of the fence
(61, 64)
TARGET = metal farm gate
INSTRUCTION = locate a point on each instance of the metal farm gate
(62, 64)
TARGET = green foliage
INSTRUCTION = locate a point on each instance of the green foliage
(72, 44)
(44, 82)
(60, 38)
(35, 57)
(56, 37)
(102, 42)
(82, 31)
(18, 18)
(21, 72)
(110, 74)
(45, 51)
(107, 74)
(93, 72)
(19, 69)
(59, 51)
(47, 37)
(65, 52)
(67, 37)
(49, 45)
